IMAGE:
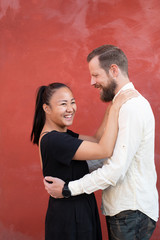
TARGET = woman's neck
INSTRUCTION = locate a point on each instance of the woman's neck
(50, 127)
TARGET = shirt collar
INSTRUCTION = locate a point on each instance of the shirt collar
(125, 87)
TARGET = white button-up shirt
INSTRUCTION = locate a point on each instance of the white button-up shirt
(128, 178)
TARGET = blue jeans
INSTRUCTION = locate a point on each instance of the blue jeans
(130, 225)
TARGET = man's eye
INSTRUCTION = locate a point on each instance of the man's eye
(73, 102)
(63, 103)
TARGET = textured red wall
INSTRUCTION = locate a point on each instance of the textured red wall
(42, 41)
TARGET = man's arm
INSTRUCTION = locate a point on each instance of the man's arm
(115, 168)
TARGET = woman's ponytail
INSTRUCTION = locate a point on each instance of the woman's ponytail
(39, 116)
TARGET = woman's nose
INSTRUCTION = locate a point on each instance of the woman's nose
(69, 108)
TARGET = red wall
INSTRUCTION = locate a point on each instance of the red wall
(42, 41)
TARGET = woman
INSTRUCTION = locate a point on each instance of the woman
(62, 152)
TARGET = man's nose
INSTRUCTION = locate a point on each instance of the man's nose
(93, 82)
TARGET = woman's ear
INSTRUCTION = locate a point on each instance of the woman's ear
(46, 108)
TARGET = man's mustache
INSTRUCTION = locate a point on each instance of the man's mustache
(97, 86)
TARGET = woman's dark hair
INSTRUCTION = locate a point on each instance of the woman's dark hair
(44, 95)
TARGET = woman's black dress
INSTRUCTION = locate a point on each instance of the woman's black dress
(74, 218)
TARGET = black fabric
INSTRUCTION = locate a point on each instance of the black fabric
(75, 218)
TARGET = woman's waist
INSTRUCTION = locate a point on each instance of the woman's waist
(66, 178)
(80, 197)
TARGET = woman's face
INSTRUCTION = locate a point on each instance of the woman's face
(62, 108)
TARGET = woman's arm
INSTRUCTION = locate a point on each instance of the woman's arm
(91, 150)
(99, 132)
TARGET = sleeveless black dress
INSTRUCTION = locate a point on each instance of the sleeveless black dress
(74, 218)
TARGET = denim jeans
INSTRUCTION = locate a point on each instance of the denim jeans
(130, 225)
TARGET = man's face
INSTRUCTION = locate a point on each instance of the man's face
(100, 79)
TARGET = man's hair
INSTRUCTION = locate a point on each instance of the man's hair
(108, 55)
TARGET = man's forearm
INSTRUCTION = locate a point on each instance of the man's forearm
(90, 183)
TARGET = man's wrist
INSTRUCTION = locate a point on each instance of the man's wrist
(66, 191)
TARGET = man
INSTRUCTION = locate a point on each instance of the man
(128, 178)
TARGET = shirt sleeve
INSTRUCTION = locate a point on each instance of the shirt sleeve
(73, 134)
(62, 146)
(115, 168)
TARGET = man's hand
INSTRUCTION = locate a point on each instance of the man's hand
(54, 186)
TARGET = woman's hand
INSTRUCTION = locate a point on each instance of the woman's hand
(123, 97)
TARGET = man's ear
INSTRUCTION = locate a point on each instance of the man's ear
(46, 108)
(114, 70)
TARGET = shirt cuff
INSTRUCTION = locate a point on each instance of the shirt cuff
(75, 188)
